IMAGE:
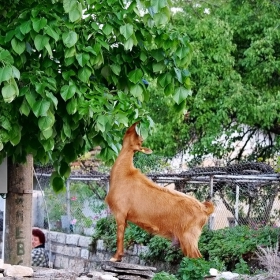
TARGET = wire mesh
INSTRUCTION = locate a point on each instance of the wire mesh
(243, 194)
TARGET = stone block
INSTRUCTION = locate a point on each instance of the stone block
(84, 241)
(61, 261)
(72, 239)
(73, 251)
(61, 237)
(84, 254)
(100, 245)
(53, 236)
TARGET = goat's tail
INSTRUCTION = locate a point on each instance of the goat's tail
(209, 207)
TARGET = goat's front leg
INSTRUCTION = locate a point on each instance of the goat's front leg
(120, 239)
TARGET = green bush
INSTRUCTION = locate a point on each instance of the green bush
(160, 249)
(164, 276)
(193, 269)
(231, 245)
(106, 229)
(224, 249)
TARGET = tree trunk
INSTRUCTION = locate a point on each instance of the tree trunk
(18, 230)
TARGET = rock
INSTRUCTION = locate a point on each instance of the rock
(130, 277)
(213, 272)
(107, 277)
(18, 271)
(227, 275)
(148, 273)
(129, 266)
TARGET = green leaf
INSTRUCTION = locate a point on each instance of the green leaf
(70, 52)
(158, 55)
(69, 152)
(69, 5)
(101, 123)
(41, 41)
(84, 74)
(164, 79)
(126, 30)
(57, 184)
(52, 98)
(6, 73)
(25, 27)
(157, 67)
(31, 98)
(41, 107)
(69, 38)
(82, 58)
(18, 46)
(67, 129)
(24, 108)
(72, 106)
(161, 19)
(47, 133)
(46, 122)
(181, 94)
(15, 134)
(182, 52)
(64, 169)
(158, 5)
(51, 33)
(76, 14)
(48, 144)
(169, 89)
(49, 50)
(16, 73)
(68, 91)
(137, 91)
(6, 57)
(135, 76)
(39, 23)
(6, 124)
(10, 91)
(107, 29)
(116, 69)
(128, 45)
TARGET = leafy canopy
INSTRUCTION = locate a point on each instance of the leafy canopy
(73, 75)
(236, 82)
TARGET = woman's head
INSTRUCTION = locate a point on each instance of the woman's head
(38, 237)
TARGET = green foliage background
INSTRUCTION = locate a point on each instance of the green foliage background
(235, 81)
(73, 74)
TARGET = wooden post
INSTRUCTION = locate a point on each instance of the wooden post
(18, 230)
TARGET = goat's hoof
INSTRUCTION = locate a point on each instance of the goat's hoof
(114, 260)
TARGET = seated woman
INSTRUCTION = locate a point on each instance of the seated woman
(39, 255)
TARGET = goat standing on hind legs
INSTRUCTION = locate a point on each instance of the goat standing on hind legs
(134, 197)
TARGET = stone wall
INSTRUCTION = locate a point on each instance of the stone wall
(77, 253)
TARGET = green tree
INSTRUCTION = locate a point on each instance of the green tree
(73, 74)
(236, 81)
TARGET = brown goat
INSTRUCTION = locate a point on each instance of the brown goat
(134, 197)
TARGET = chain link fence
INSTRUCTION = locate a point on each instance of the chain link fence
(246, 194)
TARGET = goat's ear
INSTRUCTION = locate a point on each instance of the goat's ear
(145, 150)
(132, 128)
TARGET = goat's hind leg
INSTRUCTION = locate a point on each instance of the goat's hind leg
(121, 225)
(189, 244)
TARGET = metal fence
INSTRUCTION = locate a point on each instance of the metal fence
(246, 194)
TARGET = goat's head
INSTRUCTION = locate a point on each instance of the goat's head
(134, 141)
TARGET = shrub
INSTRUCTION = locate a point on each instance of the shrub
(193, 269)
(224, 249)
(231, 245)
(106, 229)
(164, 276)
(160, 249)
